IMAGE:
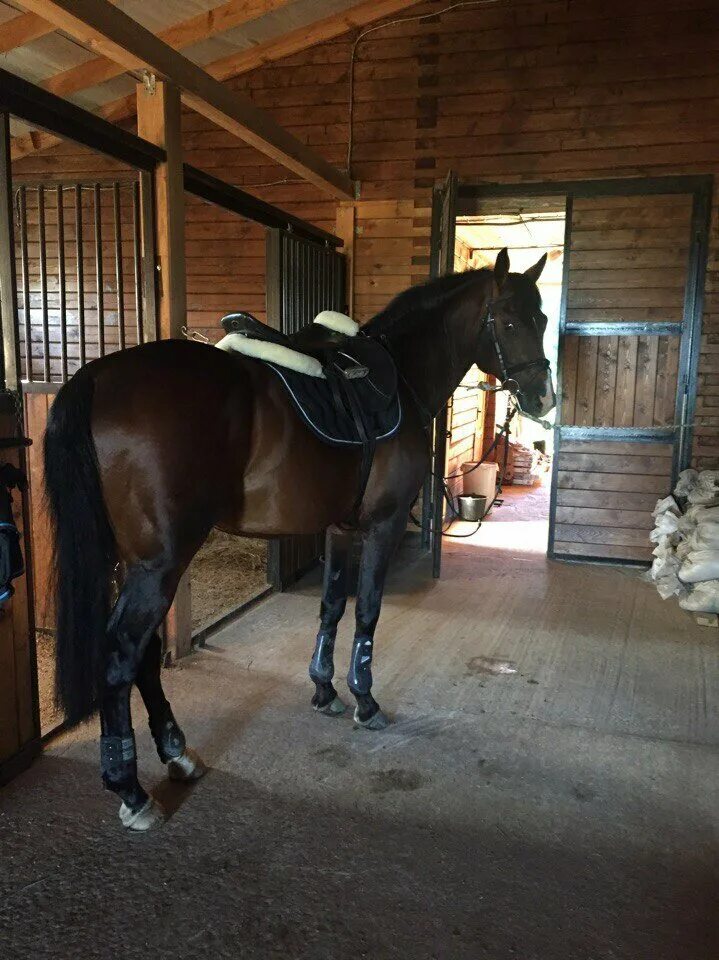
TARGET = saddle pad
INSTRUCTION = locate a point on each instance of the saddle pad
(313, 399)
(271, 352)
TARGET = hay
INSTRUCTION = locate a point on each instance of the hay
(225, 572)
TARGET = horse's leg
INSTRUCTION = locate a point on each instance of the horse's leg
(183, 763)
(380, 542)
(143, 602)
(338, 548)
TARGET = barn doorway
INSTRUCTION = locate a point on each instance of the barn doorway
(528, 227)
(634, 259)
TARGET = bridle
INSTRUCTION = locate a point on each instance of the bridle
(507, 372)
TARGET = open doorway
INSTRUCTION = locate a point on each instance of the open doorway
(528, 227)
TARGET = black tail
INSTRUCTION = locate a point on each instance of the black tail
(84, 548)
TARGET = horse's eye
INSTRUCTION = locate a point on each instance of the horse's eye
(510, 326)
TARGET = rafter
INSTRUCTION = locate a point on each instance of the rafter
(288, 44)
(21, 30)
(200, 27)
(113, 34)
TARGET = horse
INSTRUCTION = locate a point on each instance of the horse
(147, 449)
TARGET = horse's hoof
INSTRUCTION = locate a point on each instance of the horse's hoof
(335, 708)
(149, 816)
(378, 721)
(189, 766)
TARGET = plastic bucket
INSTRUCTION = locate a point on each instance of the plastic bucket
(472, 506)
(481, 480)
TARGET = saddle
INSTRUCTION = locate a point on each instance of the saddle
(343, 385)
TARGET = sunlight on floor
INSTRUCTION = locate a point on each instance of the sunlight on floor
(522, 536)
(519, 524)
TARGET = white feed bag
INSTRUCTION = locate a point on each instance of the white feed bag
(699, 566)
(686, 482)
(706, 487)
(704, 598)
(667, 523)
(668, 503)
(670, 586)
(684, 549)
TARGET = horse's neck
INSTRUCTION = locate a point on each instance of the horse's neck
(434, 356)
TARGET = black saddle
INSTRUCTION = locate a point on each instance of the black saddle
(356, 404)
(360, 360)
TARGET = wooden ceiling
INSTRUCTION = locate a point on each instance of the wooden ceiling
(223, 38)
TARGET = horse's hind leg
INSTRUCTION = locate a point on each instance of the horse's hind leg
(182, 761)
(140, 608)
(338, 548)
(379, 545)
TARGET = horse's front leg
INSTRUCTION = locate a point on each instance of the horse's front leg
(379, 545)
(338, 549)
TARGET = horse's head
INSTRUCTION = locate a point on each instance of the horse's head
(513, 334)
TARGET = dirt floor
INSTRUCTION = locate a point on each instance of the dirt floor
(225, 573)
(547, 790)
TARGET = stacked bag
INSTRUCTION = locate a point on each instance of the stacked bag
(686, 538)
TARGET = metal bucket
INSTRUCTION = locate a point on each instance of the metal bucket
(472, 506)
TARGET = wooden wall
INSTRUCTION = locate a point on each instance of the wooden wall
(523, 90)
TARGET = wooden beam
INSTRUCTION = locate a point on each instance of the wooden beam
(158, 120)
(110, 32)
(236, 64)
(199, 27)
(8, 279)
(21, 30)
(304, 37)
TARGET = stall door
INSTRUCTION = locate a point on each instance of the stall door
(634, 261)
(303, 278)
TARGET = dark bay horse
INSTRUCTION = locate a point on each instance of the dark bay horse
(147, 449)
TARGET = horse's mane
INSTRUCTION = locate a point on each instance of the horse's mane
(412, 304)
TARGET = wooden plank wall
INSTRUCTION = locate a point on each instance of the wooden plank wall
(605, 495)
(556, 89)
(19, 719)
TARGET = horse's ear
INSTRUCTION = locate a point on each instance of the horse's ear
(501, 268)
(535, 272)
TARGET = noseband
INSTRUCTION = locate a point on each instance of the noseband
(508, 372)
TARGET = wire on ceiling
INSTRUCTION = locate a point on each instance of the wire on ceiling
(381, 26)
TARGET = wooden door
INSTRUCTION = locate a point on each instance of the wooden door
(303, 278)
(444, 203)
(634, 262)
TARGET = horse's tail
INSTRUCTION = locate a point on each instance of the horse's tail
(84, 548)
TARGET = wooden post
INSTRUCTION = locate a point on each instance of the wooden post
(345, 230)
(158, 120)
(19, 712)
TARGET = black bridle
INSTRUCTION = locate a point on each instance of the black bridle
(508, 372)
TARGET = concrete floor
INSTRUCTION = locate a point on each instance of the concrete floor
(548, 790)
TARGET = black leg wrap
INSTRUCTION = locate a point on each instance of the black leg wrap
(322, 664)
(118, 761)
(169, 738)
(359, 678)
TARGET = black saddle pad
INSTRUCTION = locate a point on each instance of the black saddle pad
(332, 422)
(371, 386)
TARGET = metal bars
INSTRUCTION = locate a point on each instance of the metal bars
(82, 249)
(303, 278)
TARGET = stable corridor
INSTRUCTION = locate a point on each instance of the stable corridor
(548, 788)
